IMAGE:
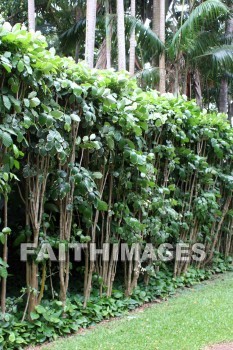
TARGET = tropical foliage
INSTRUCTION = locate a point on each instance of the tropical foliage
(191, 55)
(88, 157)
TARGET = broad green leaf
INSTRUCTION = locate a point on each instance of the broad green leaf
(20, 66)
(2, 238)
(57, 114)
(6, 102)
(6, 230)
(34, 316)
(34, 102)
(32, 94)
(6, 139)
(101, 205)
(97, 175)
(12, 337)
(75, 117)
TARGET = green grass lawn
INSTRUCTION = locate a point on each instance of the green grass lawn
(189, 321)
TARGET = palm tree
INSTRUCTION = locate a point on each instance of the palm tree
(121, 35)
(31, 16)
(108, 33)
(195, 50)
(197, 45)
(90, 32)
(162, 68)
(156, 17)
(132, 41)
(158, 25)
(223, 94)
(148, 43)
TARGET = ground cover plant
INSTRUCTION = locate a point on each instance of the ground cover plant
(198, 317)
(50, 320)
(88, 157)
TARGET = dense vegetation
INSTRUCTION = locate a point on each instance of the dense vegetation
(179, 46)
(87, 156)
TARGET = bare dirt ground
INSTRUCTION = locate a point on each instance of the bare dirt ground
(227, 346)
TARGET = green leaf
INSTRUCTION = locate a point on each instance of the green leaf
(75, 117)
(26, 102)
(6, 139)
(3, 272)
(49, 121)
(118, 294)
(97, 175)
(6, 102)
(134, 158)
(20, 66)
(34, 102)
(92, 137)
(40, 309)
(42, 119)
(5, 177)
(16, 151)
(101, 205)
(110, 142)
(2, 238)
(6, 230)
(57, 114)
(15, 87)
(12, 337)
(77, 91)
(7, 67)
(34, 316)
(16, 164)
(32, 94)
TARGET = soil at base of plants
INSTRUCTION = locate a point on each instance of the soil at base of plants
(224, 346)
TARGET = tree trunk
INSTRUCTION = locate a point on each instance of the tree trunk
(31, 16)
(101, 62)
(78, 16)
(223, 96)
(156, 30)
(162, 68)
(223, 93)
(90, 32)
(197, 87)
(36, 191)
(132, 41)
(121, 35)
(33, 298)
(77, 52)
(156, 17)
(159, 19)
(230, 111)
(5, 253)
(108, 34)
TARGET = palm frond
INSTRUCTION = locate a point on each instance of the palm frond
(150, 44)
(207, 11)
(146, 38)
(77, 32)
(148, 77)
(221, 58)
(197, 44)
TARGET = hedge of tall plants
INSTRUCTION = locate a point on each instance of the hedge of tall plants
(88, 157)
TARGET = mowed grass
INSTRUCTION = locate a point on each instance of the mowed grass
(191, 320)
